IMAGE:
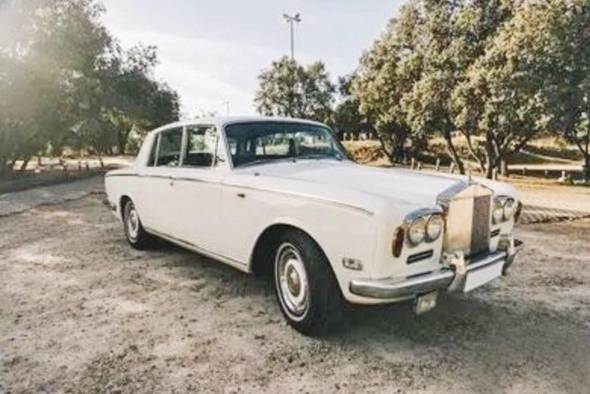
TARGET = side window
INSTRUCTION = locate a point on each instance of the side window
(200, 146)
(169, 148)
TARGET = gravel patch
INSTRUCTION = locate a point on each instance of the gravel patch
(82, 312)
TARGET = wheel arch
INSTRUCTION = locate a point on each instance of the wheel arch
(262, 253)
(121, 204)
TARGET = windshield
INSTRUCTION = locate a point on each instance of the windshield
(263, 142)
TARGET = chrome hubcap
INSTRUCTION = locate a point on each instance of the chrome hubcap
(292, 280)
(133, 223)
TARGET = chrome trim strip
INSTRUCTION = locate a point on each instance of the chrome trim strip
(396, 288)
(492, 258)
(295, 195)
(399, 288)
(416, 257)
(107, 175)
(197, 180)
(422, 212)
(447, 195)
(189, 245)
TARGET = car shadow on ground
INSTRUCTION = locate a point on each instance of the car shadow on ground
(485, 332)
(457, 316)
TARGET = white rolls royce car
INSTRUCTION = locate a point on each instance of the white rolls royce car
(280, 196)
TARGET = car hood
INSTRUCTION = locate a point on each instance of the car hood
(413, 188)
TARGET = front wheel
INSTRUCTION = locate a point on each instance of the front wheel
(306, 288)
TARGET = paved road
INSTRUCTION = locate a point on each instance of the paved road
(11, 203)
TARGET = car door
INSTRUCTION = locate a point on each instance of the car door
(196, 190)
(157, 206)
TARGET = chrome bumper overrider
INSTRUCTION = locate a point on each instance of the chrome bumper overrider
(451, 277)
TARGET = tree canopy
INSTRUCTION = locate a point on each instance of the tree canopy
(498, 73)
(290, 89)
(66, 82)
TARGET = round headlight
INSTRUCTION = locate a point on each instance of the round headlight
(509, 208)
(498, 213)
(434, 227)
(417, 231)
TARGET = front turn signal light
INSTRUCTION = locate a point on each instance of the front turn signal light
(398, 242)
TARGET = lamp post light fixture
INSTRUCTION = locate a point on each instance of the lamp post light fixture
(291, 20)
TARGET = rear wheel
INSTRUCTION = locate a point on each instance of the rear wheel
(136, 235)
(306, 288)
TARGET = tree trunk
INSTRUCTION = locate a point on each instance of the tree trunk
(452, 151)
(122, 141)
(25, 163)
(504, 168)
(389, 154)
(489, 167)
(491, 159)
(587, 157)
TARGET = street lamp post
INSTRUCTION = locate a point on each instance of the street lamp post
(291, 20)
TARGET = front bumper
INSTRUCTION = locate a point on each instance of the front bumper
(450, 277)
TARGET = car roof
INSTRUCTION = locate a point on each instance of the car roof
(225, 120)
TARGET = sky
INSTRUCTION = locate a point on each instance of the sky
(212, 51)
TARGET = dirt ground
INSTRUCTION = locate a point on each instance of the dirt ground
(80, 311)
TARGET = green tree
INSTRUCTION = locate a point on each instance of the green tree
(453, 37)
(567, 81)
(347, 116)
(511, 93)
(386, 74)
(289, 89)
(426, 105)
(66, 82)
(135, 101)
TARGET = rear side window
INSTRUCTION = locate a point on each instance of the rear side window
(200, 146)
(169, 148)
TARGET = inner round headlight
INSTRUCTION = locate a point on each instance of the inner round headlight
(509, 208)
(434, 227)
(498, 213)
(417, 231)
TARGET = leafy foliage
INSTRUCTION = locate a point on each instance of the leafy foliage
(348, 118)
(66, 82)
(387, 72)
(289, 89)
(497, 72)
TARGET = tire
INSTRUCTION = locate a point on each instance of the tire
(306, 288)
(135, 234)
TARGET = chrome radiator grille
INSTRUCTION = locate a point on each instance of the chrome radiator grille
(480, 227)
(468, 210)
